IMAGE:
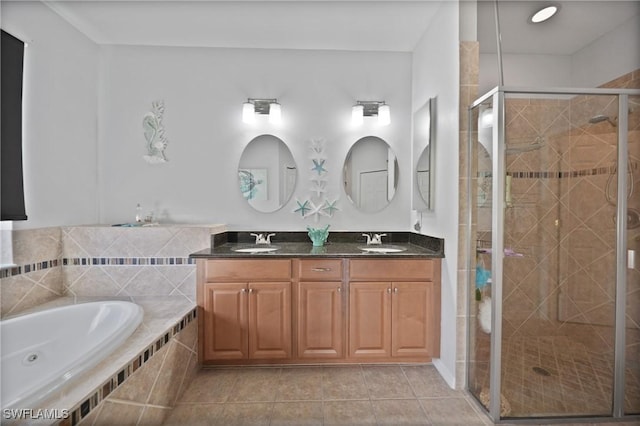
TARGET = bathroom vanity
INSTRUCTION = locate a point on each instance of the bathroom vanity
(304, 304)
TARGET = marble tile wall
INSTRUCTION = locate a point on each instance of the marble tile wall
(101, 261)
(149, 394)
(469, 69)
(37, 277)
(564, 225)
(152, 261)
(560, 221)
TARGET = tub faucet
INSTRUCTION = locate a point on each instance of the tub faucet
(375, 239)
(261, 239)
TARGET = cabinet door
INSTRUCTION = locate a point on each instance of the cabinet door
(225, 321)
(270, 320)
(412, 323)
(320, 324)
(369, 320)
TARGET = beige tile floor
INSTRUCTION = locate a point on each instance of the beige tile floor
(324, 395)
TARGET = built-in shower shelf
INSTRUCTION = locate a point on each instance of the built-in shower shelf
(507, 252)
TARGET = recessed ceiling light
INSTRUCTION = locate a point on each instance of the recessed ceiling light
(544, 14)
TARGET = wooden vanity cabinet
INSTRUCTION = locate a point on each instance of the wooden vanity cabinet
(305, 310)
(394, 309)
(319, 308)
(245, 309)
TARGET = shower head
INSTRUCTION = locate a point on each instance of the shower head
(600, 118)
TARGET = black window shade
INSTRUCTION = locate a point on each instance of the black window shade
(12, 187)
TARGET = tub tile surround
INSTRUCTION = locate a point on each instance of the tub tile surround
(150, 369)
(37, 275)
(101, 261)
(147, 265)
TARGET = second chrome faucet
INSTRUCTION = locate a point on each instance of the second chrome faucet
(374, 238)
(261, 239)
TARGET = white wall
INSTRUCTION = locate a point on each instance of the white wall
(436, 74)
(203, 90)
(59, 117)
(609, 57)
(525, 71)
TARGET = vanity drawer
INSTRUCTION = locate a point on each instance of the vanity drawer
(248, 270)
(320, 269)
(391, 269)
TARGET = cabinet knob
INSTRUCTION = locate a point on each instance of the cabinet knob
(395, 290)
(339, 289)
(389, 290)
(250, 290)
(244, 290)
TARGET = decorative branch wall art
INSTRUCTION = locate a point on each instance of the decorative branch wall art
(154, 134)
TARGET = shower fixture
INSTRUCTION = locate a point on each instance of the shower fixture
(600, 118)
(633, 215)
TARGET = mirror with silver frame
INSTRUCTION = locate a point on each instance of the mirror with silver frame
(267, 173)
(424, 157)
(370, 174)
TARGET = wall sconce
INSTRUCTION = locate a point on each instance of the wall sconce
(370, 109)
(262, 107)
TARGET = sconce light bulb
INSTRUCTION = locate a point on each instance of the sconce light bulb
(275, 113)
(384, 115)
(357, 115)
(248, 113)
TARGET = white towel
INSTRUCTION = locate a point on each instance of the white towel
(484, 315)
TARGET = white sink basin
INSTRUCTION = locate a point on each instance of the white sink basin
(382, 249)
(255, 249)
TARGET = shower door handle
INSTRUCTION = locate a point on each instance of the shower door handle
(631, 259)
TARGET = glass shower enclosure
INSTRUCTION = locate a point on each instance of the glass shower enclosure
(554, 282)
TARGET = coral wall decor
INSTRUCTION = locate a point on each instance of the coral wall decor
(154, 134)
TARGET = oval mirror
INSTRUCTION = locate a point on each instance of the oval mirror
(267, 173)
(370, 174)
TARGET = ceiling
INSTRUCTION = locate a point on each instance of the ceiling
(335, 25)
(576, 25)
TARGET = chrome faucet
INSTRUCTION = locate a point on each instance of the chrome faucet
(261, 239)
(375, 239)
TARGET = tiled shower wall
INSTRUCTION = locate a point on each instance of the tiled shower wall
(560, 220)
(101, 261)
(469, 68)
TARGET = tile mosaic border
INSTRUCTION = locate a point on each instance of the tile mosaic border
(560, 175)
(11, 271)
(89, 261)
(86, 261)
(84, 408)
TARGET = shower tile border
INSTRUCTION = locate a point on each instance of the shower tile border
(596, 171)
(82, 410)
(12, 271)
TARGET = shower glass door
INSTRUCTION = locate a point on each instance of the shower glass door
(554, 281)
(632, 320)
(480, 224)
(559, 281)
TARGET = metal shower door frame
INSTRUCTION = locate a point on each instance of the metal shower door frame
(498, 96)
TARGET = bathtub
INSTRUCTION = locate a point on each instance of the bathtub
(44, 350)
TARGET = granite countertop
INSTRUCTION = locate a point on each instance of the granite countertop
(339, 244)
